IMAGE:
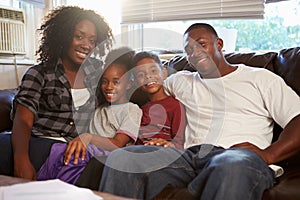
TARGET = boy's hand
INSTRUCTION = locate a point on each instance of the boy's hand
(159, 142)
(77, 146)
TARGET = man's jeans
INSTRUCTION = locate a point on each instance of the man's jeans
(209, 172)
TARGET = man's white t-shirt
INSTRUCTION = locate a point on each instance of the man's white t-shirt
(238, 107)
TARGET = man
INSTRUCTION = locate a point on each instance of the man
(230, 113)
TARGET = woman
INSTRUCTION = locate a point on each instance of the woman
(60, 83)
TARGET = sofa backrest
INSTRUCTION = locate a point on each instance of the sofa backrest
(285, 63)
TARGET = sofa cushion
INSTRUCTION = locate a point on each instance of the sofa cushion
(6, 98)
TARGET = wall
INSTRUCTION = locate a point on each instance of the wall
(12, 68)
(11, 73)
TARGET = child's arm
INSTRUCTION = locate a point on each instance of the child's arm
(178, 126)
(78, 145)
(128, 130)
(178, 119)
(109, 144)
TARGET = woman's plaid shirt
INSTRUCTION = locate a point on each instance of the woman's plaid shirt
(46, 91)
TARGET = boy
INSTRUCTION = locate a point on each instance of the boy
(163, 121)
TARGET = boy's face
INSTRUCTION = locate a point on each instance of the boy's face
(148, 75)
(115, 83)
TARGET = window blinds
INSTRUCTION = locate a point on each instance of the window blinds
(143, 11)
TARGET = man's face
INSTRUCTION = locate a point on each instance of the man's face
(202, 51)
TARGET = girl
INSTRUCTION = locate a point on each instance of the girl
(115, 123)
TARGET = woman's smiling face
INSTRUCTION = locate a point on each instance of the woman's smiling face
(83, 42)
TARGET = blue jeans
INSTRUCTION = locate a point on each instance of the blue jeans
(208, 172)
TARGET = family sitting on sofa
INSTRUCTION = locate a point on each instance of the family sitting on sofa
(224, 151)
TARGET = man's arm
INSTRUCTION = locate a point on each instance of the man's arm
(287, 144)
(21, 133)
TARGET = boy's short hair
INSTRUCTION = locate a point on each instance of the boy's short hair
(146, 54)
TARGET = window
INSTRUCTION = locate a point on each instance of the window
(33, 13)
(5, 2)
(279, 29)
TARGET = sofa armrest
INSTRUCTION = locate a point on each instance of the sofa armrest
(6, 99)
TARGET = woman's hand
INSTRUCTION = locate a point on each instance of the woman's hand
(159, 142)
(25, 169)
(77, 146)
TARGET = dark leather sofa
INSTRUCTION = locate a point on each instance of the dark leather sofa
(285, 63)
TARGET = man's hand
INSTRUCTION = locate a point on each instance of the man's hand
(252, 147)
(77, 146)
(24, 169)
(159, 142)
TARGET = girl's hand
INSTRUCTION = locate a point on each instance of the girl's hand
(77, 146)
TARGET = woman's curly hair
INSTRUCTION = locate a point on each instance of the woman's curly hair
(58, 30)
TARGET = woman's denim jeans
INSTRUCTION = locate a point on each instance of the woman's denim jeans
(209, 172)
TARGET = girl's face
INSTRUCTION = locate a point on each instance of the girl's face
(115, 83)
(84, 41)
(149, 75)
